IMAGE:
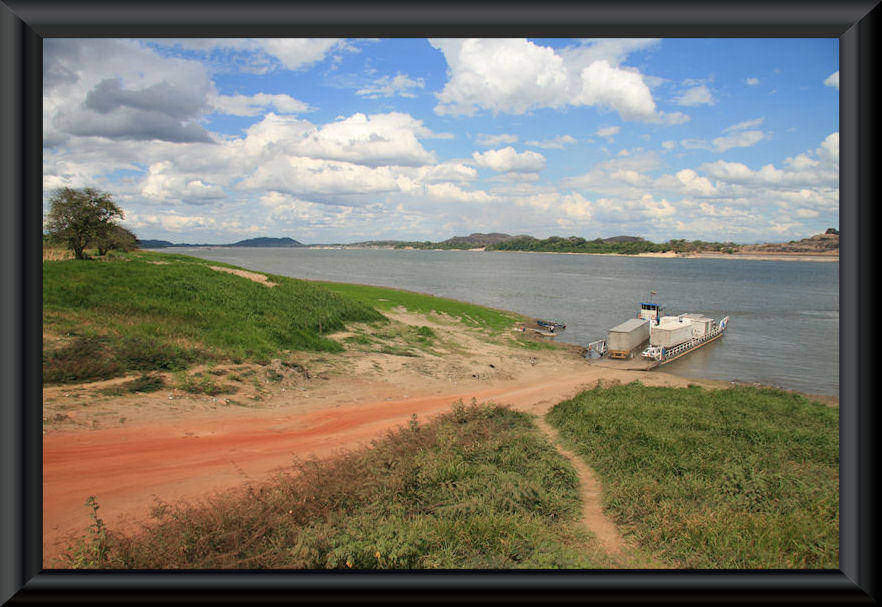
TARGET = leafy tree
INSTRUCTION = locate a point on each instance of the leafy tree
(117, 238)
(81, 217)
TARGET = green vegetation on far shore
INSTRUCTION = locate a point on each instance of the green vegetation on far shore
(635, 246)
(477, 488)
(742, 478)
(150, 311)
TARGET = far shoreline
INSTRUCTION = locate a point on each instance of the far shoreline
(665, 255)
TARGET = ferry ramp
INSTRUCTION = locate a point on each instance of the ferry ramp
(632, 364)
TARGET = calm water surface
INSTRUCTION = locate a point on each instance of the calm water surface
(784, 327)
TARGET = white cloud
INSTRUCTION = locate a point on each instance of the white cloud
(694, 184)
(298, 53)
(164, 184)
(829, 150)
(391, 138)
(669, 145)
(400, 85)
(618, 176)
(695, 144)
(657, 209)
(740, 139)
(170, 222)
(451, 171)
(489, 141)
(608, 132)
(557, 143)
(819, 168)
(454, 193)
(292, 53)
(833, 80)
(516, 76)
(752, 81)
(501, 75)
(801, 162)
(673, 118)
(743, 125)
(618, 89)
(697, 95)
(507, 159)
(253, 105)
(300, 176)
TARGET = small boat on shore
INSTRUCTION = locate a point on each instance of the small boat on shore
(545, 328)
(552, 325)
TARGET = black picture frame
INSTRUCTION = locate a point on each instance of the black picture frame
(23, 25)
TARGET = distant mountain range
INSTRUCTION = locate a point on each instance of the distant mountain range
(827, 243)
(251, 242)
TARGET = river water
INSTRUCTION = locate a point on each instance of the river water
(784, 327)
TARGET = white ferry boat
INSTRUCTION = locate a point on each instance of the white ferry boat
(671, 337)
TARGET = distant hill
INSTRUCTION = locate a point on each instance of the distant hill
(153, 244)
(251, 242)
(267, 242)
(823, 244)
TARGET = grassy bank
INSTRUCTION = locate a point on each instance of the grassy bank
(388, 299)
(737, 478)
(151, 311)
(479, 487)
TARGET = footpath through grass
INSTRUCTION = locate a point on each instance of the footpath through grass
(151, 311)
(479, 487)
(737, 478)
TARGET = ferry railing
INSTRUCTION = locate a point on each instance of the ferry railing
(687, 345)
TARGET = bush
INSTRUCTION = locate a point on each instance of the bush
(83, 359)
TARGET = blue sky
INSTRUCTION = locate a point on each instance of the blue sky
(331, 140)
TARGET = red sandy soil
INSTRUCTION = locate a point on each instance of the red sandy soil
(125, 467)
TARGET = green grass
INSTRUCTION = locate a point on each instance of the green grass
(479, 487)
(387, 299)
(202, 383)
(128, 314)
(739, 478)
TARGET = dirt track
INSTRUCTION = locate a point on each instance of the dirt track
(124, 467)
